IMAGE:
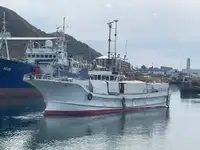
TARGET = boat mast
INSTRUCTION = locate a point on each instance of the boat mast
(125, 55)
(109, 43)
(4, 34)
(115, 42)
(64, 26)
(109, 37)
(63, 35)
(116, 37)
(63, 52)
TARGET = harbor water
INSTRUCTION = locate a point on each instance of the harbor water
(166, 129)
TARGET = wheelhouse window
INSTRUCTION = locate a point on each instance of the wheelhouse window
(99, 77)
(107, 78)
(103, 77)
(92, 77)
(42, 56)
(37, 56)
(33, 56)
(115, 78)
(95, 77)
(111, 78)
(50, 56)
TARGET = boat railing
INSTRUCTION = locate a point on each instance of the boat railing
(38, 76)
(15, 59)
(153, 90)
(47, 77)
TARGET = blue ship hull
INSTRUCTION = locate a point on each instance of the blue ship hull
(14, 92)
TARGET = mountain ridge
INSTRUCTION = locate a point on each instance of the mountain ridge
(19, 27)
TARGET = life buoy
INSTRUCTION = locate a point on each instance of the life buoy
(90, 96)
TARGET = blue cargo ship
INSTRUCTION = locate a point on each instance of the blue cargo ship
(15, 94)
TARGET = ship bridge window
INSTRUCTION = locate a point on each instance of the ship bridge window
(46, 56)
(29, 55)
(37, 56)
(33, 56)
(50, 56)
(54, 56)
(107, 78)
(92, 77)
(103, 77)
(111, 78)
(42, 56)
(95, 77)
(99, 77)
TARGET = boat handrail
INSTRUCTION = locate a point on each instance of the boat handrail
(14, 59)
(147, 90)
(47, 77)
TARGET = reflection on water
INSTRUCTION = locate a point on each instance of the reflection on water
(169, 129)
(174, 88)
(189, 95)
(20, 106)
(37, 132)
(110, 125)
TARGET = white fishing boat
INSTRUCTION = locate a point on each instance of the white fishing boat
(100, 92)
(103, 93)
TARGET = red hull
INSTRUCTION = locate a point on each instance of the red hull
(19, 96)
(96, 112)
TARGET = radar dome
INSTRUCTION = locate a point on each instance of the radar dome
(48, 43)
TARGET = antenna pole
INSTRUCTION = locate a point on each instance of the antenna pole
(64, 25)
(4, 22)
(125, 51)
(109, 38)
(116, 37)
(4, 35)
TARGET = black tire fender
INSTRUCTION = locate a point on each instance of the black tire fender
(89, 96)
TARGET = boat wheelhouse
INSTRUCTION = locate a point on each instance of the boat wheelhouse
(106, 76)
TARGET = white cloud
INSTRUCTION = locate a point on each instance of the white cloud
(108, 5)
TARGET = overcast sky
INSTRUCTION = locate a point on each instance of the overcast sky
(162, 32)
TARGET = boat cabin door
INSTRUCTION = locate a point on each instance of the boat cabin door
(121, 88)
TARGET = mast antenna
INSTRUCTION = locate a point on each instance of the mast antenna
(116, 21)
(109, 44)
(109, 37)
(4, 22)
(4, 34)
(64, 25)
(125, 55)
